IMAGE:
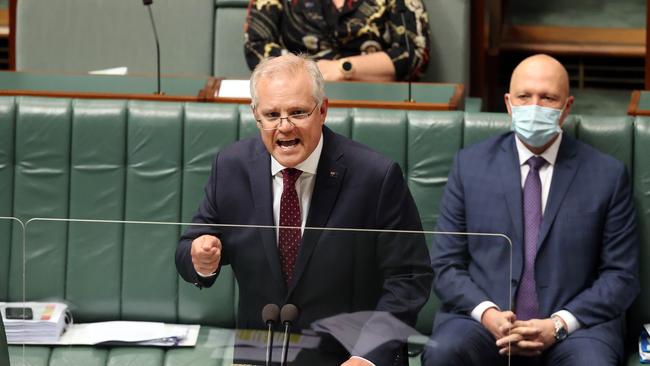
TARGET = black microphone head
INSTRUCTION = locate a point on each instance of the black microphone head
(270, 313)
(147, 2)
(289, 313)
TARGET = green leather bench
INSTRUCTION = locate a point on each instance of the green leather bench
(69, 36)
(150, 161)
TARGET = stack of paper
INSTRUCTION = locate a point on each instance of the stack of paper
(134, 333)
(644, 344)
(46, 324)
(363, 331)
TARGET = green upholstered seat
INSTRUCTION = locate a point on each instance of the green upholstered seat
(229, 61)
(80, 36)
(135, 160)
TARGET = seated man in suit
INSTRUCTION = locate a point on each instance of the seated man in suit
(298, 173)
(569, 212)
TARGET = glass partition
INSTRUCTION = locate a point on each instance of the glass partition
(111, 289)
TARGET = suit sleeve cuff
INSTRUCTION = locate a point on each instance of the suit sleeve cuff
(361, 358)
(571, 321)
(478, 311)
(206, 275)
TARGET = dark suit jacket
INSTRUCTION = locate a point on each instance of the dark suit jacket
(587, 254)
(336, 272)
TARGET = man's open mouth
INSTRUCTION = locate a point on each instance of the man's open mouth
(288, 143)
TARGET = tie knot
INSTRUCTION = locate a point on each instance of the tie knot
(536, 162)
(290, 175)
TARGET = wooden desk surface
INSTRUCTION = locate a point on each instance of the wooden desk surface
(639, 103)
(426, 96)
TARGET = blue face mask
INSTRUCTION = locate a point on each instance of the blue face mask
(535, 125)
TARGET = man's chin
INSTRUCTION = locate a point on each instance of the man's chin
(288, 160)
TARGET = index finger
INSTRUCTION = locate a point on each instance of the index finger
(525, 330)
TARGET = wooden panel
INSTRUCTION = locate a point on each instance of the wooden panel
(626, 42)
(634, 103)
(12, 34)
(647, 49)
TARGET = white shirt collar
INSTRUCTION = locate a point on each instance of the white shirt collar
(309, 165)
(550, 154)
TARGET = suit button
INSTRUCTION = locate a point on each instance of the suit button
(514, 282)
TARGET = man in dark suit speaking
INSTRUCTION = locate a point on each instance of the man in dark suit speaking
(569, 212)
(298, 173)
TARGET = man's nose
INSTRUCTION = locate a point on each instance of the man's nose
(285, 125)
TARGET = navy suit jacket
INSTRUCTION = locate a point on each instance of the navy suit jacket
(336, 271)
(587, 254)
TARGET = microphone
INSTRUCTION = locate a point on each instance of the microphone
(288, 315)
(147, 3)
(270, 315)
(401, 9)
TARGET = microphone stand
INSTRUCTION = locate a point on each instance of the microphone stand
(270, 315)
(269, 344)
(285, 343)
(147, 3)
(402, 9)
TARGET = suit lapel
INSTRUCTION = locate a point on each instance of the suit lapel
(329, 178)
(510, 175)
(563, 173)
(259, 172)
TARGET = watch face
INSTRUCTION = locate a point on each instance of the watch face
(347, 66)
(560, 331)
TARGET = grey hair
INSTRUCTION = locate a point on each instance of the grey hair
(288, 64)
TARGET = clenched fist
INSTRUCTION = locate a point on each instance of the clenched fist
(206, 254)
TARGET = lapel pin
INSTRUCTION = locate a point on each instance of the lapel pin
(333, 174)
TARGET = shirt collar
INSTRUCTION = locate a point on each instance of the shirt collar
(550, 154)
(308, 166)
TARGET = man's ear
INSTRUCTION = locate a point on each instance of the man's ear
(567, 109)
(506, 100)
(324, 105)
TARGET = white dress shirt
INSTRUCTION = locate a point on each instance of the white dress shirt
(304, 185)
(545, 176)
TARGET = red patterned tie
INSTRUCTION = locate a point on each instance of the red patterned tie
(289, 239)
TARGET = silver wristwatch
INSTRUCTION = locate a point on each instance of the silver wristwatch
(560, 331)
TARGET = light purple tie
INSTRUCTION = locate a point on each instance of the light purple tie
(526, 305)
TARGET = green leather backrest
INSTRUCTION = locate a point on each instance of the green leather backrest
(80, 36)
(641, 183)
(115, 160)
(449, 48)
(7, 116)
(133, 160)
(229, 60)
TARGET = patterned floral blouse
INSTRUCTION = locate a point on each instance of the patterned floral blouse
(319, 30)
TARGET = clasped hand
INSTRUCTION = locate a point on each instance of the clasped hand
(519, 337)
